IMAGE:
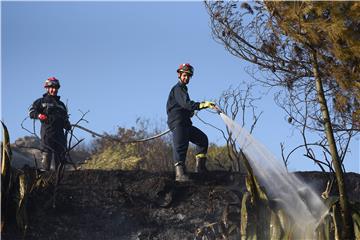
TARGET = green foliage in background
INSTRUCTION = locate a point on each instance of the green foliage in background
(154, 155)
(151, 155)
(115, 156)
(218, 158)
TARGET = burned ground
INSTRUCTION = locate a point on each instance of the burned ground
(96, 204)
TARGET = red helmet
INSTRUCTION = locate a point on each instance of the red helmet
(52, 82)
(186, 67)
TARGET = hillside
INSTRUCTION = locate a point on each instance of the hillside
(96, 204)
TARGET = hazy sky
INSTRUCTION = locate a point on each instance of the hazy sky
(118, 60)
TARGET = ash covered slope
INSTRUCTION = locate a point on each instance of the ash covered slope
(95, 204)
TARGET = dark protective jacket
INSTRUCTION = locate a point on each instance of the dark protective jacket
(52, 130)
(179, 107)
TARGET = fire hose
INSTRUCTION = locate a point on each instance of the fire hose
(120, 140)
(216, 108)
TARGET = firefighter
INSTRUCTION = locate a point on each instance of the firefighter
(179, 110)
(53, 116)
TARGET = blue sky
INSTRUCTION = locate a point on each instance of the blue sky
(118, 60)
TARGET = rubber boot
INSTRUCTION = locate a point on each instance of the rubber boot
(201, 165)
(45, 161)
(180, 175)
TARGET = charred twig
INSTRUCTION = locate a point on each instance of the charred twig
(285, 160)
(34, 130)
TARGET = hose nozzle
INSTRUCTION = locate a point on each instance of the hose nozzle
(217, 109)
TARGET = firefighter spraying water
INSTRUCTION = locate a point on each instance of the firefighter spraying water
(180, 109)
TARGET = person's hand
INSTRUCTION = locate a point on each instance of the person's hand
(206, 104)
(42, 117)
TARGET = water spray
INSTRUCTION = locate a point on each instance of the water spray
(299, 201)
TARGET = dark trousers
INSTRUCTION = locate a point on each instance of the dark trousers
(182, 135)
(54, 149)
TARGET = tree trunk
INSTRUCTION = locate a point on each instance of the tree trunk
(347, 223)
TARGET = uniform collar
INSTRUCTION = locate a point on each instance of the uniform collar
(49, 96)
(182, 85)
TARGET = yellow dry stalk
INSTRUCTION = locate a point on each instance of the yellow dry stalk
(6, 174)
(356, 219)
(244, 218)
(22, 188)
(275, 227)
(336, 221)
(6, 151)
(21, 214)
(3, 161)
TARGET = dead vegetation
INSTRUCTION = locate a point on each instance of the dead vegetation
(99, 204)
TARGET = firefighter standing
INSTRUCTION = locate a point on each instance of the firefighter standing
(180, 109)
(53, 116)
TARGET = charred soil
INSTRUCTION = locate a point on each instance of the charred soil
(96, 204)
